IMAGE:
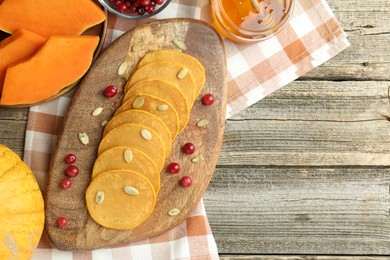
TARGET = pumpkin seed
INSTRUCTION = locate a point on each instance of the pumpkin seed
(128, 155)
(256, 5)
(84, 139)
(197, 159)
(138, 102)
(202, 123)
(180, 44)
(131, 190)
(182, 73)
(146, 134)
(162, 107)
(97, 111)
(104, 122)
(173, 212)
(99, 197)
(138, 46)
(122, 68)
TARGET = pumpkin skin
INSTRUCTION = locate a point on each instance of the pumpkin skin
(21, 208)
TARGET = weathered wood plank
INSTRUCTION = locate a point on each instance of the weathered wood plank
(368, 27)
(299, 257)
(12, 128)
(294, 210)
(312, 123)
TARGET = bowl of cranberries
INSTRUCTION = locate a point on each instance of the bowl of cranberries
(135, 9)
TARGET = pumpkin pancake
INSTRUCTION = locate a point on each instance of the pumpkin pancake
(164, 90)
(131, 135)
(152, 104)
(168, 71)
(119, 209)
(115, 159)
(141, 117)
(188, 61)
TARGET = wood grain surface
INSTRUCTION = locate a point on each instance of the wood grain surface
(292, 212)
(84, 233)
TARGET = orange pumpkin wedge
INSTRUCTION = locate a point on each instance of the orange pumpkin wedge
(59, 17)
(120, 199)
(61, 61)
(17, 47)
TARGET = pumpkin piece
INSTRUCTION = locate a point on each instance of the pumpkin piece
(168, 71)
(168, 116)
(22, 216)
(113, 159)
(61, 61)
(130, 135)
(60, 17)
(120, 210)
(186, 60)
(167, 91)
(17, 47)
(142, 118)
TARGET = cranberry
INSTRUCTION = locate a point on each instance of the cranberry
(144, 3)
(70, 158)
(149, 9)
(122, 7)
(174, 168)
(159, 2)
(186, 181)
(153, 2)
(62, 222)
(189, 148)
(140, 10)
(208, 99)
(111, 90)
(66, 183)
(118, 2)
(133, 9)
(72, 171)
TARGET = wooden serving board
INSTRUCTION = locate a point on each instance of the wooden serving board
(82, 232)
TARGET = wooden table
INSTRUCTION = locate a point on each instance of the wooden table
(305, 171)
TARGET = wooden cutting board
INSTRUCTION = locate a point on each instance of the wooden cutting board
(82, 232)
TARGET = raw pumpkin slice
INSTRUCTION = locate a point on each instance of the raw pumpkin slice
(168, 71)
(127, 158)
(188, 61)
(152, 104)
(128, 199)
(60, 62)
(133, 135)
(142, 118)
(59, 17)
(164, 90)
(19, 46)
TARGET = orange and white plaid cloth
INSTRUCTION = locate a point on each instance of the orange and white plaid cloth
(312, 37)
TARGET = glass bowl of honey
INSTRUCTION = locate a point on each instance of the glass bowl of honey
(249, 21)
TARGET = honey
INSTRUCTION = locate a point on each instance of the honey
(248, 21)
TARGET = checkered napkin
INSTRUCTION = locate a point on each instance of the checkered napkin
(312, 36)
